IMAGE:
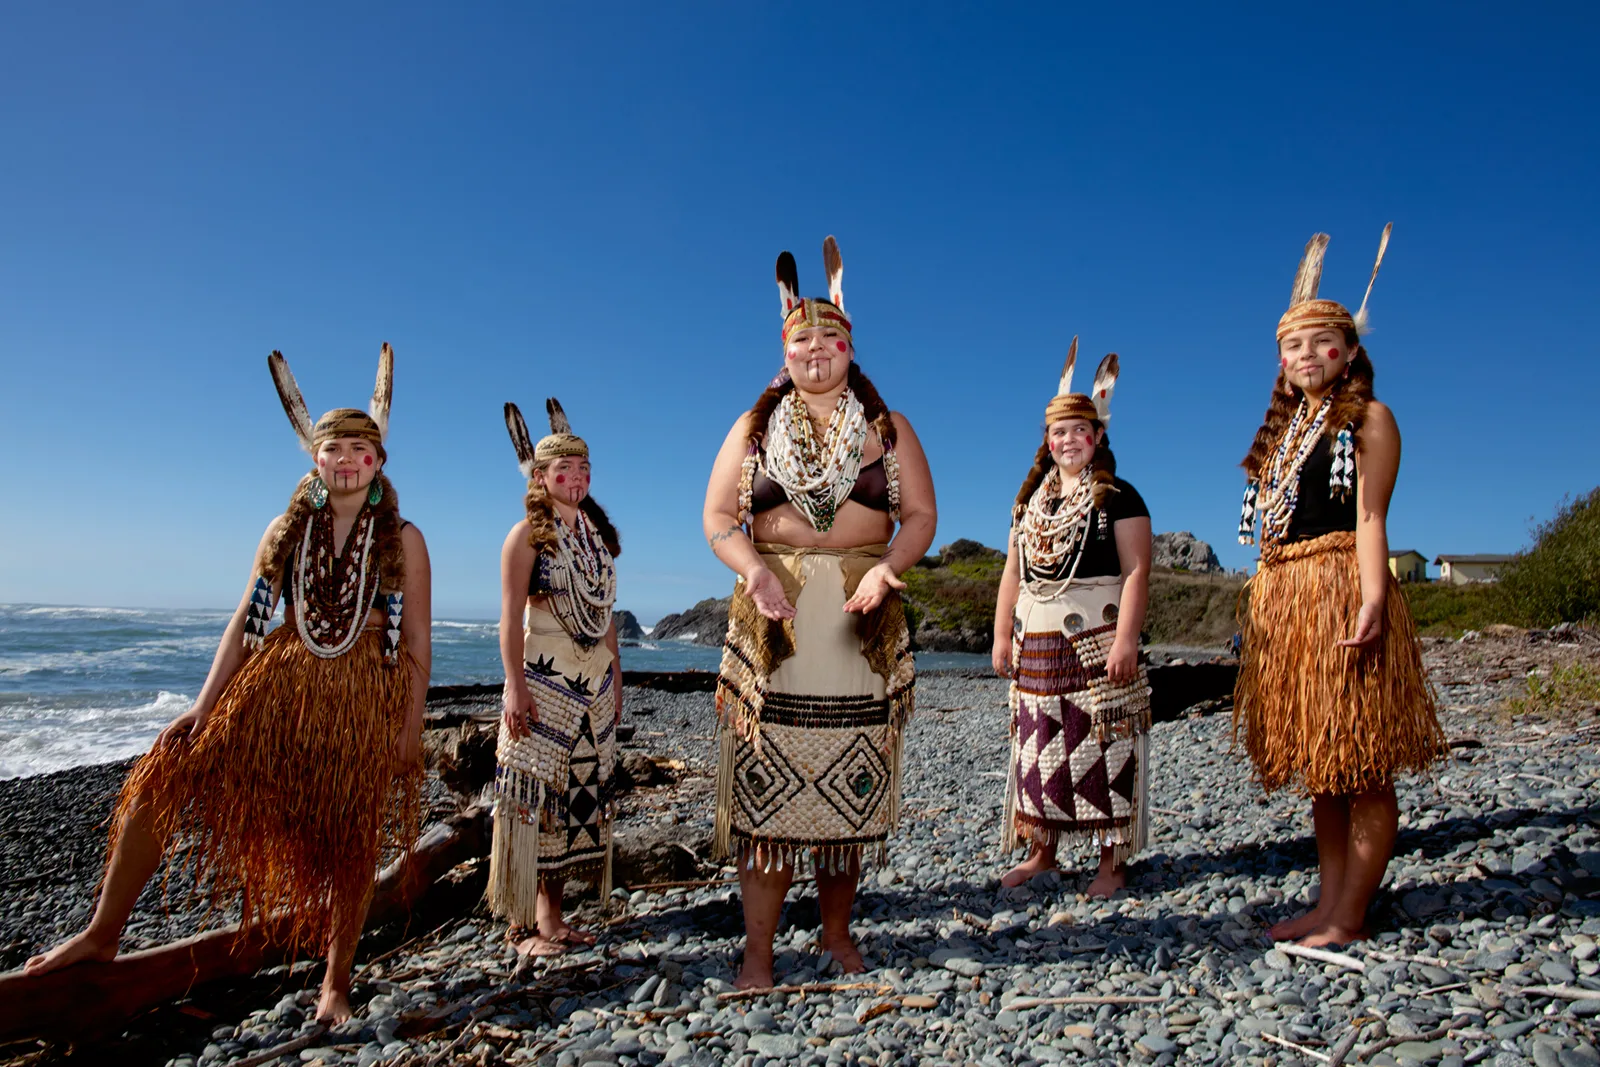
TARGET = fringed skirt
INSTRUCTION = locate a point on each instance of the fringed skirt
(812, 716)
(553, 809)
(287, 798)
(1079, 743)
(1330, 720)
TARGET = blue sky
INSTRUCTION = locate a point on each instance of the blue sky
(586, 200)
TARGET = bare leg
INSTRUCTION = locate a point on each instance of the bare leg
(1374, 821)
(333, 1006)
(762, 892)
(1041, 858)
(135, 859)
(1111, 878)
(1331, 816)
(836, 899)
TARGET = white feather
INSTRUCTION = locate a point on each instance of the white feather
(294, 404)
(518, 428)
(383, 391)
(1363, 325)
(1105, 383)
(1066, 371)
(833, 263)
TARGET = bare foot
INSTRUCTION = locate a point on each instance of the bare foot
(567, 934)
(77, 949)
(1106, 883)
(844, 950)
(1299, 926)
(1035, 864)
(333, 1007)
(1332, 934)
(753, 975)
(539, 945)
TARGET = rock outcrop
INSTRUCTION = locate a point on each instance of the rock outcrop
(704, 624)
(1183, 551)
(628, 628)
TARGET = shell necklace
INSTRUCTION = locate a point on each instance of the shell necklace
(817, 475)
(583, 580)
(1282, 489)
(1053, 525)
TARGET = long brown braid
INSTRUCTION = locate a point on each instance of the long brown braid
(1351, 395)
(872, 405)
(386, 543)
(542, 516)
(1102, 474)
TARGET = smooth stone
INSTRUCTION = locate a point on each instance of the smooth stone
(1155, 1046)
(918, 1000)
(777, 1046)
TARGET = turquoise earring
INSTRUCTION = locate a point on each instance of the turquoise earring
(375, 492)
(318, 493)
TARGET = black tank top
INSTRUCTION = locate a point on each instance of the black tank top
(1316, 510)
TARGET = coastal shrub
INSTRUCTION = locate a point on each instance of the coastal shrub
(1565, 688)
(1558, 579)
(1444, 610)
(1192, 609)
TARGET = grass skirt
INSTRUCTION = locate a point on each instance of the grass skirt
(1080, 748)
(810, 737)
(1330, 720)
(288, 796)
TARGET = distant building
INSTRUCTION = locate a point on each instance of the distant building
(1459, 570)
(1408, 565)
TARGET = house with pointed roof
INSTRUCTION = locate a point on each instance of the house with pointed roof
(1482, 567)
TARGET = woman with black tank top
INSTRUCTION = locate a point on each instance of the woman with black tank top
(563, 693)
(1331, 695)
(1066, 632)
(816, 681)
(301, 757)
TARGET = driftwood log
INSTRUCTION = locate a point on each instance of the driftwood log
(96, 998)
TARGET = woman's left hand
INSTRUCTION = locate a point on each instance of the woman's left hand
(1122, 665)
(408, 749)
(875, 585)
(1369, 627)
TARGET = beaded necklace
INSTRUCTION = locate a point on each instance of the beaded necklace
(1054, 524)
(583, 581)
(331, 594)
(1281, 490)
(817, 475)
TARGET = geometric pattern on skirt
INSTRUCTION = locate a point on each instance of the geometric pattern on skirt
(821, 773)
(1072, 773)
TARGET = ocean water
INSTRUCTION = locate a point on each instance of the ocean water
(86, 685)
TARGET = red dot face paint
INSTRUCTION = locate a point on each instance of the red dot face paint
(561, 479)
(367, 460)
(1333, 353)
(841, 346)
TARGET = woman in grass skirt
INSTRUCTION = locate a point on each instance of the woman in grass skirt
(301, 756)
(1331, 696)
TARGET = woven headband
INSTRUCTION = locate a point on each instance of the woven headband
(1096, 404)
(1307, 310)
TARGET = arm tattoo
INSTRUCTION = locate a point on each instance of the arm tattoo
(723, 535)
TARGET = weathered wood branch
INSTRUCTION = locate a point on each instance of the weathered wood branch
(93, 998)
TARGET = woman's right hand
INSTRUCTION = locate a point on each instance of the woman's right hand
(1000, 657)
(519, 710)
(764, 588)
(185, 726)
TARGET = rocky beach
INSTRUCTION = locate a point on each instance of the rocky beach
(1487, 946)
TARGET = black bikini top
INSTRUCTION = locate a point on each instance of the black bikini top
(871, 489)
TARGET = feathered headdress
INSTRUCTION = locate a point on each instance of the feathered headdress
(1094, 405)
(1305, 309)
(372, 424)
(799, 312)
(561, 441)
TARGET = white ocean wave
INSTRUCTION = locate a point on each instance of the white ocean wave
(151, 653)
(37, 738)
(72, 611)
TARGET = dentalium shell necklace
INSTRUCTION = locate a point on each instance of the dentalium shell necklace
(1053, 525)
(817, 475)
(584, 579)
(1282, 488)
